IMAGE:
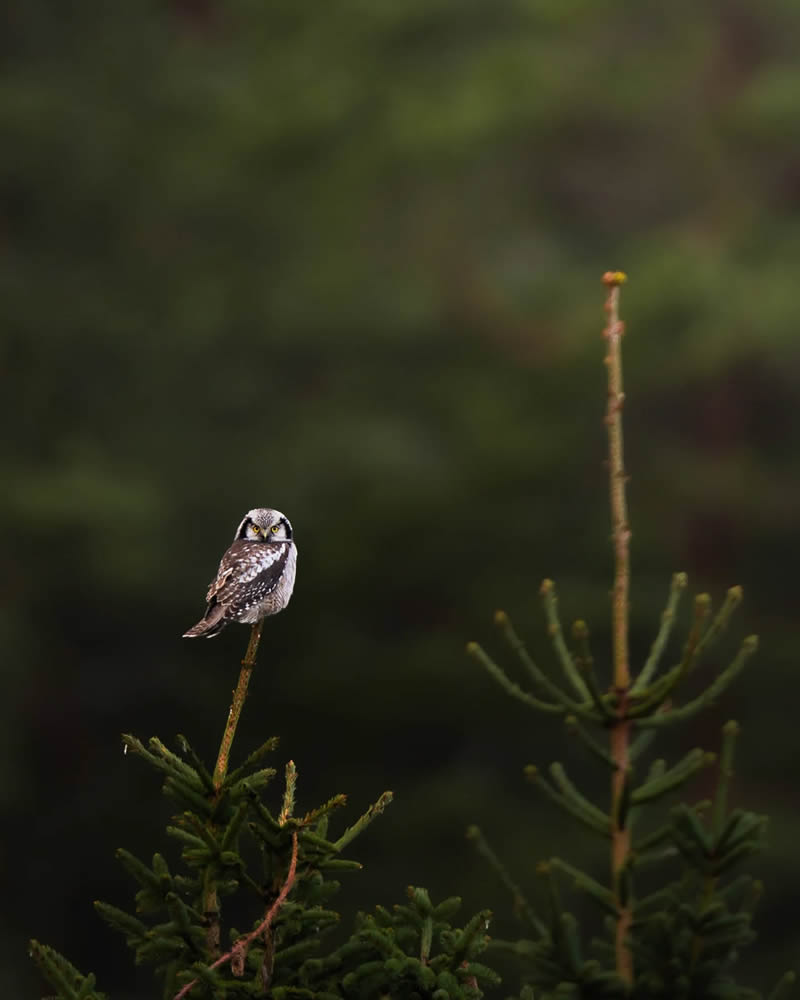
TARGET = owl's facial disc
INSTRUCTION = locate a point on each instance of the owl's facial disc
(263, 524)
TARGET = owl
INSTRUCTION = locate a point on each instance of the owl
(256, 575)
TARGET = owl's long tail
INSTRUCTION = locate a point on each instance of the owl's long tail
(211, 624)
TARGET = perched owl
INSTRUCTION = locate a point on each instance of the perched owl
(256, 575)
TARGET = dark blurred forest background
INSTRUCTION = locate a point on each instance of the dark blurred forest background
(343, 259)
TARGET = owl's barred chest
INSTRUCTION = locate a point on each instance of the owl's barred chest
(263, 581)
(258, 558)
(265, 600)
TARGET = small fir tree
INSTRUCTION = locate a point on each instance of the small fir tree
(681, 939)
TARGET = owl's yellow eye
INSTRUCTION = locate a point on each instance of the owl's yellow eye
(255, 529)
(274, 529)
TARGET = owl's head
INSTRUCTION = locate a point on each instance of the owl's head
(262, 524)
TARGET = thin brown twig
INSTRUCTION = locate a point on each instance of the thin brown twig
(621, 534)
(238, 952)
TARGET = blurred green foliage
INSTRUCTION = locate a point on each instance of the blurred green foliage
(343, 259)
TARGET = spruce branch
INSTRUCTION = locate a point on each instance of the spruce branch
(688, 827)
(62, 975)
(520, 904)
(572, 725)
(740, 827)
(702, 609)
(125, 923)
(651, 699)
(729, 733)
(510, 687)
(733, 599)
(322, 812)
(176, 765)
(673, 778)
(574, 804)
(714, 848)
(201, 770)
(679, 583)
(266, 747)
(571, 793)
(539, 677)
(709, 696)
(146, 878)
(585, 664)
(659, 692)
(586, 884)
(363, 821)
(547, 591)
(180, 775)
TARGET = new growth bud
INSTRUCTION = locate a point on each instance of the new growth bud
(580, 630)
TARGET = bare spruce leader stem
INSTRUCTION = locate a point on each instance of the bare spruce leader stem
(239, 696)
(621, 535)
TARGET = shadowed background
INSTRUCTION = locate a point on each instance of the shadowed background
(344, 259)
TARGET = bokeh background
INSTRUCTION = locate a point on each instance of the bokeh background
(344, 259)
